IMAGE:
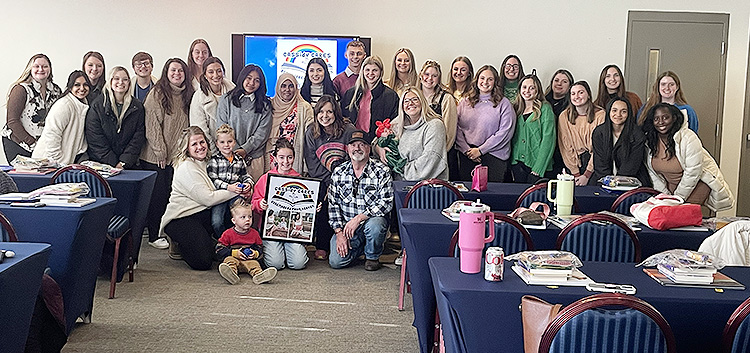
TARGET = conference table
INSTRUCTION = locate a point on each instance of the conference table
(77, 236)
(482, 316)
(503, 196)
(131, 188)
(20, 280)
(427, 233)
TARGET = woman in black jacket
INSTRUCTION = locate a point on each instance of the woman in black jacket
(115, 123)
(619, 145)
(369, 86)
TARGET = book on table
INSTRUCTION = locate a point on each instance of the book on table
(576, 278)
(720, 281)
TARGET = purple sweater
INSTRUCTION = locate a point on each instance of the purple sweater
(487, 127)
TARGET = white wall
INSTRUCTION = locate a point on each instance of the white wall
(582, 36)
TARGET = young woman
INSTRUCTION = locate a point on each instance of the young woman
(619, 144)
(486, 123)
(278, 254)
(29, 99)
(187, 219)
(115, 124)
(167, 107)
(93, 66)
(291, 115)
(677, 162)
(667, 89)
(421, 136)
(461, 76)
(535, 137)
(63, 139)
(213, 84)
(612, 85)
(317, 81)
(247, 109)
(575, 126)
(403, 70)
(558, 90)
(198, 53)
(512, 71)
(325, 149)
(442, 103)
(370, 100)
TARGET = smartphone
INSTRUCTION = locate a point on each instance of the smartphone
(611, 288)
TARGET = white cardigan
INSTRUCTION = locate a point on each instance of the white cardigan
(697, 165)
(203, 110)
(192, 192)
(63, 137)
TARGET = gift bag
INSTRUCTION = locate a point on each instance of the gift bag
(479, 178)
(662, 212)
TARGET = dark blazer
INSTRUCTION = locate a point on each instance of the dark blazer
(628, 154)
(384, 105)
(106, 144)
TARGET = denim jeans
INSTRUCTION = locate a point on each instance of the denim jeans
(220, 217)
(276, 252)
(368, 239)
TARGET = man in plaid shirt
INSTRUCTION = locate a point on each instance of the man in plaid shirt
(360, 198)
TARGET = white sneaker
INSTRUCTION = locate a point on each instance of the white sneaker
(160, 243)
(228, 273)
(399, 260)
(265, 275)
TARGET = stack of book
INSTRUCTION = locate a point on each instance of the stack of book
(28, 165)
(680, 271)
(550, 268)
(104, 170)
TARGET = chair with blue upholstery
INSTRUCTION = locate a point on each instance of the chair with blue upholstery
(7, 232)
(623, 202)
(608, 322)
(600, 237)
(119, 226)
(427, 194)
(736, 337)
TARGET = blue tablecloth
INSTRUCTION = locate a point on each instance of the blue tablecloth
(131, 188)
(503, 196)
(468, 304)
(427, 233)
(77, 237)
(20, 279)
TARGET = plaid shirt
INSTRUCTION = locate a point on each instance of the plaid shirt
(371, 194)
(223, 172)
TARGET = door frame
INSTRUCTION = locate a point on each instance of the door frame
(687, 17)
(743, 198)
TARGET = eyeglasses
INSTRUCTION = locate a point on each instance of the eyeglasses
(142, 64)
(414, 101)
(512, 66)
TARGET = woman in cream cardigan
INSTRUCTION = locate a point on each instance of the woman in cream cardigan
(213, 84)
(187, 219)
(677, 162)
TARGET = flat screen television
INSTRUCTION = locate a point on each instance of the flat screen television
(279, 53)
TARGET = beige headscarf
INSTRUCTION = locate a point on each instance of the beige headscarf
(281, 110)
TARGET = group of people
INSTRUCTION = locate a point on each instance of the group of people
(213, 142)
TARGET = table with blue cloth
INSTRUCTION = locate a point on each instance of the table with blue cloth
(503, 196)
(77, 236)
(427, 233)
(20, 280)
(482, 316)
(131, 188)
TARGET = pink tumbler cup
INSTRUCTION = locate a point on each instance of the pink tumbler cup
(471, 238)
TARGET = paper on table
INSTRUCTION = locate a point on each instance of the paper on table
(578, 279)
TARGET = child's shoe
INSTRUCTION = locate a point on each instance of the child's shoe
(229, 273)
(265, 275)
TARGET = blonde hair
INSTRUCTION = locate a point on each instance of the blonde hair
(224, 129)
(439, 87)
(108, 91)
(361, 84)
(26, 75)
(183, 153)
(427, 112)
(520, 103)
(393, 81)
(238, 204)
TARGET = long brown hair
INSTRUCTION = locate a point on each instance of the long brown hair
(338, 121)
(602, 96)
(393, 81)
(94, 54)
(165, 88)
(497, 93)
(591, 109)
(655, 97)
(192, 65)
(469, 77)
(204, 85)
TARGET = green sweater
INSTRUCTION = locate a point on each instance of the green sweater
(535, 140)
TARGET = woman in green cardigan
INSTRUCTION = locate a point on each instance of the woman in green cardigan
(536, 135)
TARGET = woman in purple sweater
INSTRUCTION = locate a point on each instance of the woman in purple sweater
(486, 123)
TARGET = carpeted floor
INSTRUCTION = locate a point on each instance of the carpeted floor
(171, 308)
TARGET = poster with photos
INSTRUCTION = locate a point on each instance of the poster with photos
(292, 202)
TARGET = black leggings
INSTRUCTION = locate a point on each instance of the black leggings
(159, 197)
(323, 230)
(496, 167)
(194, 235)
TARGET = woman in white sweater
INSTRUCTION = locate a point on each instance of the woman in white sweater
(213, 85)
(421, 136)
(187, 220)
(63, 138)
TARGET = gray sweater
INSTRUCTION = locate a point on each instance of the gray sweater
(423, 146)
(251, 129)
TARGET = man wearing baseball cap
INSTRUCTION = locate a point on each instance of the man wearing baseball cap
(360, 198)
